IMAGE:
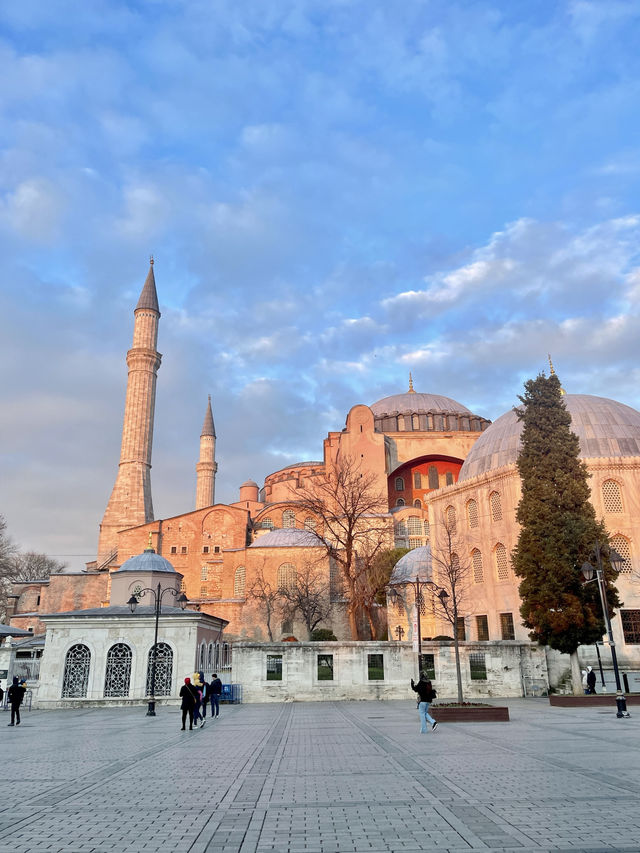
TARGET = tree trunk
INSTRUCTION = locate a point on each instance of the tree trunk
(456, 646)
(353, 621)
(576, 675)
(372, 624)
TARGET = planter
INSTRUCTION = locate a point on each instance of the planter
(608, 699)
(470, 714)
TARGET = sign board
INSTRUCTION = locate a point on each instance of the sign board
(414, 628)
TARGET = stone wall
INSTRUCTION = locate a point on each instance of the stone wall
(507, 665)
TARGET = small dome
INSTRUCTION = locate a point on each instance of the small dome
(288, 537)
(417, 563)
(148, 561)
(414, 403)
(604, 427)
(249, 484)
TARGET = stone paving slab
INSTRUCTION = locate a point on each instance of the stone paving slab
(352, 777)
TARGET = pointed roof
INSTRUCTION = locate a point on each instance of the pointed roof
(208, 428)
(149, 297)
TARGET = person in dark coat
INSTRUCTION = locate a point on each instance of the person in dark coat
(16, 695)
(591, 680)
(205, 694)
(188, 696)
(215, 691)
(427, 694)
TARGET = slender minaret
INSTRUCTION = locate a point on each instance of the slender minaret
(130, 501)
(207, 466)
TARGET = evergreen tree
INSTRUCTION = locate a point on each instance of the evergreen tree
(559, 528)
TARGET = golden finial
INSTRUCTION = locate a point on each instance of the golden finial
(150, 545)
(410, 391)
(553, 373)
(151, 260)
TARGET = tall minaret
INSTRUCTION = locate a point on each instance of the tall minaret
(130, 501)
(207, 466)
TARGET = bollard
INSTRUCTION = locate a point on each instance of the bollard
(621, 702)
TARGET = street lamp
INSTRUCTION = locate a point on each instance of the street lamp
(157, 594)
(418, 585)
(399, 632)
(596, 574)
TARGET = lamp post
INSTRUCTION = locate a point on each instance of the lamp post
(158, 594)
(596, 574)
(418, 585)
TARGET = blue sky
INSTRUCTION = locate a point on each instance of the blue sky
(336, 193)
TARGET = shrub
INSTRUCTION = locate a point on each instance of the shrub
(323, 634)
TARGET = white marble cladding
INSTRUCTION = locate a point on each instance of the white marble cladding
(508, 664)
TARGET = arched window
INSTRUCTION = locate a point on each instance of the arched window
(622, 545)
(203, 656)
(288, 518)
(310, 523)
(267, 523)
(399, 484)
(426, 527)
(448, 478)
(118, 670)
(418, 503)
(210, 657)
(502, 564)
(76, 672)
(164, 670)
(434, 481)
(472, 513)
(611, 496)
(450, 519)
(415, 421)
(239, 581)
(414, 525)
(286, 576)
(496, 506)
(476, 560)
(400, 502)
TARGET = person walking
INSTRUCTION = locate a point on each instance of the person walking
(591, 680)
(215, 691)
(427, 694)
(205, 694)
(188, 696)
(16, 695)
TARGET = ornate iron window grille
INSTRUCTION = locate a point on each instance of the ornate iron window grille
(76, 672)
(164, 670)
(118, 670)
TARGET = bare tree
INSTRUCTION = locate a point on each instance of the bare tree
(31, 566)
(309, 596)
(268, 597)
(453, 578)
(353, 526)
(7, 551)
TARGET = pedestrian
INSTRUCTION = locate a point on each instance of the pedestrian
(585, 686)
(16, 695)
(427, 694)
(188, 696)
(591, 680)
(205, 694)
(197, 685)
(215, 691)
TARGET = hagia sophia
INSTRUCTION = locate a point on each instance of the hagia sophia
(431, 456)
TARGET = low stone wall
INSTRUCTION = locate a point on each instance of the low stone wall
(290, 672)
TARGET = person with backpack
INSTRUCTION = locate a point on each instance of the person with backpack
(188, 703)
(426, 694)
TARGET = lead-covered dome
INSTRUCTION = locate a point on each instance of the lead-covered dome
(604, 427)
(413, 411)
(414, 403)
(287, 537)
(148, 561)
(416, 563)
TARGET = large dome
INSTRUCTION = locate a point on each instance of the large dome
(605, 428)
(412, 402)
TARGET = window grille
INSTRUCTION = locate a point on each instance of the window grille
(203, 591)
(631, 626)
(450, 518)
(399, 484)
(375, 667)
(478, 573)
(612, 496)
(426, 527)
(286, 576)
(506, 626)
(622, 545)
(448, 477)
(310, 523)
(414, 525)
(477, 666)
(267, 522)
(472, 513)
(325, 667)
(434, 481)
(336, 583)
(502, 564)
(415, 543)
(417, 503)
(204, 571)
(118, 670)
(164, 670)
(203, 656)
(239, 582)
(288, 518)
(482, 628)
(274, 667)
(183, 586)
(400, 502)
(210, 656)
(428, 666)
(76, 672)
(496, 506)
(417, 480)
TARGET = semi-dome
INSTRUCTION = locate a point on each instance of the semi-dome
(416, 563)
(604, 427)
(148, 561)
(414, 403)
(288, 537)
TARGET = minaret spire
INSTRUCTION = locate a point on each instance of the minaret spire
(410, 391)
(130, 502)
(553, 373)
(207, 466)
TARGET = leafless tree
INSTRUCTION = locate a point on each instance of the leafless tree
(31, 566)
(453, 578)
(353, 527)
(269, 599)
(309, 596)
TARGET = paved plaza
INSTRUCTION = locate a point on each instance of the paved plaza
(320, 777)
